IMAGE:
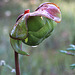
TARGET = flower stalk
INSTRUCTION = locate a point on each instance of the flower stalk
(32, 28)
(17, 67)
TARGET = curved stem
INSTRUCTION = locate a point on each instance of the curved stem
(17, 63)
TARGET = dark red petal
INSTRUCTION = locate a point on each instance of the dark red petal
(47, 3)
(50, 10)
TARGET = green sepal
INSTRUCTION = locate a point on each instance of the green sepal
(32, 40)
(39, 28)
(42, 32)
(17, 46)
(34, 23)
(19, 31)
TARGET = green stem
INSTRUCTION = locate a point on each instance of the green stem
(17, 64)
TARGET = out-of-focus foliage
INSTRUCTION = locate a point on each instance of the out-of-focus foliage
(70, 51)
(45, 59)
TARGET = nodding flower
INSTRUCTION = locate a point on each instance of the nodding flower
(32, 28)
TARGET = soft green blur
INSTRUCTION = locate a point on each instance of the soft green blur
(45, 59)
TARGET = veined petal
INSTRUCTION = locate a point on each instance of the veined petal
(48, 10)
(51, 10)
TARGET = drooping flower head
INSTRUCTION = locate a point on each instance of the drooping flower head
(32, 28)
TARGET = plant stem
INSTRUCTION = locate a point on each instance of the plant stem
(17, 63)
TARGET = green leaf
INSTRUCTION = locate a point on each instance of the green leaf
(68, 53)
(16, 45)
(71, 45)
(70, 49)
(72, 66)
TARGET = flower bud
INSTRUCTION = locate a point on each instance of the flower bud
(33, 28)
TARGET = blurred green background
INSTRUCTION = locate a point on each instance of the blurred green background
(45, 59)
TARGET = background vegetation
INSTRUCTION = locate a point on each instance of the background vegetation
(46, 58)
